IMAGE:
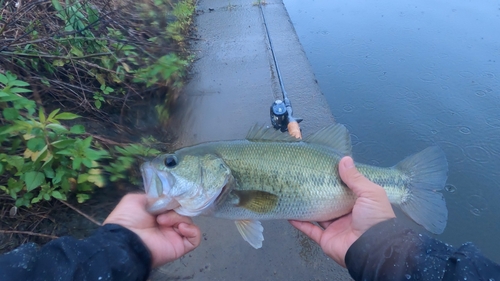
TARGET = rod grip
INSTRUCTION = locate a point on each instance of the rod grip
(294, 130)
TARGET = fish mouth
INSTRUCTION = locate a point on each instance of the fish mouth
(156, 187)
(149, 179)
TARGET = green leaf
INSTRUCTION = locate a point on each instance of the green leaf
(95, 154)
(57, 5)
(82, 197)
(33, 180)
(52, 114)
(36, 144)
(67, 152)
(86, 143)
(63, 144)
(56, 194)
(10, 113)
(66, 116)
(48, 161)
(87, 162)
(20, 90)
(3, 79)
(58, 63)
(77, 129)
(49, 173)
(98, 180)
(77, 52)
(46, 82)
(77, 161)
(60, 172)
(22, 202)
(17, 161)
(58, 128)
(18, 83)
(41, 116)
(82, 178)
(43, 153)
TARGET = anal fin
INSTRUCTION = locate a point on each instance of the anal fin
(251, 231)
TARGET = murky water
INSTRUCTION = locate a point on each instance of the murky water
(404, 75)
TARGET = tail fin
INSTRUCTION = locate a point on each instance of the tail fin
(424, 203)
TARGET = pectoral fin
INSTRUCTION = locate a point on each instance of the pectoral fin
(251, 231)
(255, 200)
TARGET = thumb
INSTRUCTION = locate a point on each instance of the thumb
(352, 177)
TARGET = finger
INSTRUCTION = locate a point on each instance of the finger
(192, 234)
(172, 218)
(325, 224)
(311, 230)
(354, 179)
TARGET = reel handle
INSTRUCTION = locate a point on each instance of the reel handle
(294, 130)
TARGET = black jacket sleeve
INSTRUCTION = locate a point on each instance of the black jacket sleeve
(111, 253)
(389, 251)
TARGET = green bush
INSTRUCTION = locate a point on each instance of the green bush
(42, 159)
(108, 61)
(100, 58)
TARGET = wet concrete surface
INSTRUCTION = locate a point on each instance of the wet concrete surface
(232, 85)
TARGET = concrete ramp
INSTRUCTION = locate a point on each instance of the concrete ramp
(233, 83)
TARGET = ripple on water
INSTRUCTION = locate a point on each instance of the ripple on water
(454, 152)
(489, 75)
(382, 76)
(464, 130)
(378, 151)
(477, 153)
(412, 96)
(450, 188)
(449, 118)
(444, 76)
(354, 139)
(477, 204)
(493, 146)
(371, 61)
(466, 74)
(422, 129)
(427, 77)
(493, 122)
(369, 105)
(348, 108)
(475, 211)
(480, 93)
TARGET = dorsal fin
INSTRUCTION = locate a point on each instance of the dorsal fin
(264, 133)
(335, 136)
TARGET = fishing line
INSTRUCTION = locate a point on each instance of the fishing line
(281, 110)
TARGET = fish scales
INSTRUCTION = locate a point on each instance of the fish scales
(308, 189)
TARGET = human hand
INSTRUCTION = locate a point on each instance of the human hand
(167, 236)
(371, 207)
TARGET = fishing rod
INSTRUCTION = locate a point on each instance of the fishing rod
(281, 110)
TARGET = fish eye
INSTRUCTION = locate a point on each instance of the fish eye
(171, 161)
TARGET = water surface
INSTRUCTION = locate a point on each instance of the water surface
(404, 75)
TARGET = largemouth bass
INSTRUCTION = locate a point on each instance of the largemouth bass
(270, 175)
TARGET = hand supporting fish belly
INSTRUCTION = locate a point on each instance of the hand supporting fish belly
(270, 175)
